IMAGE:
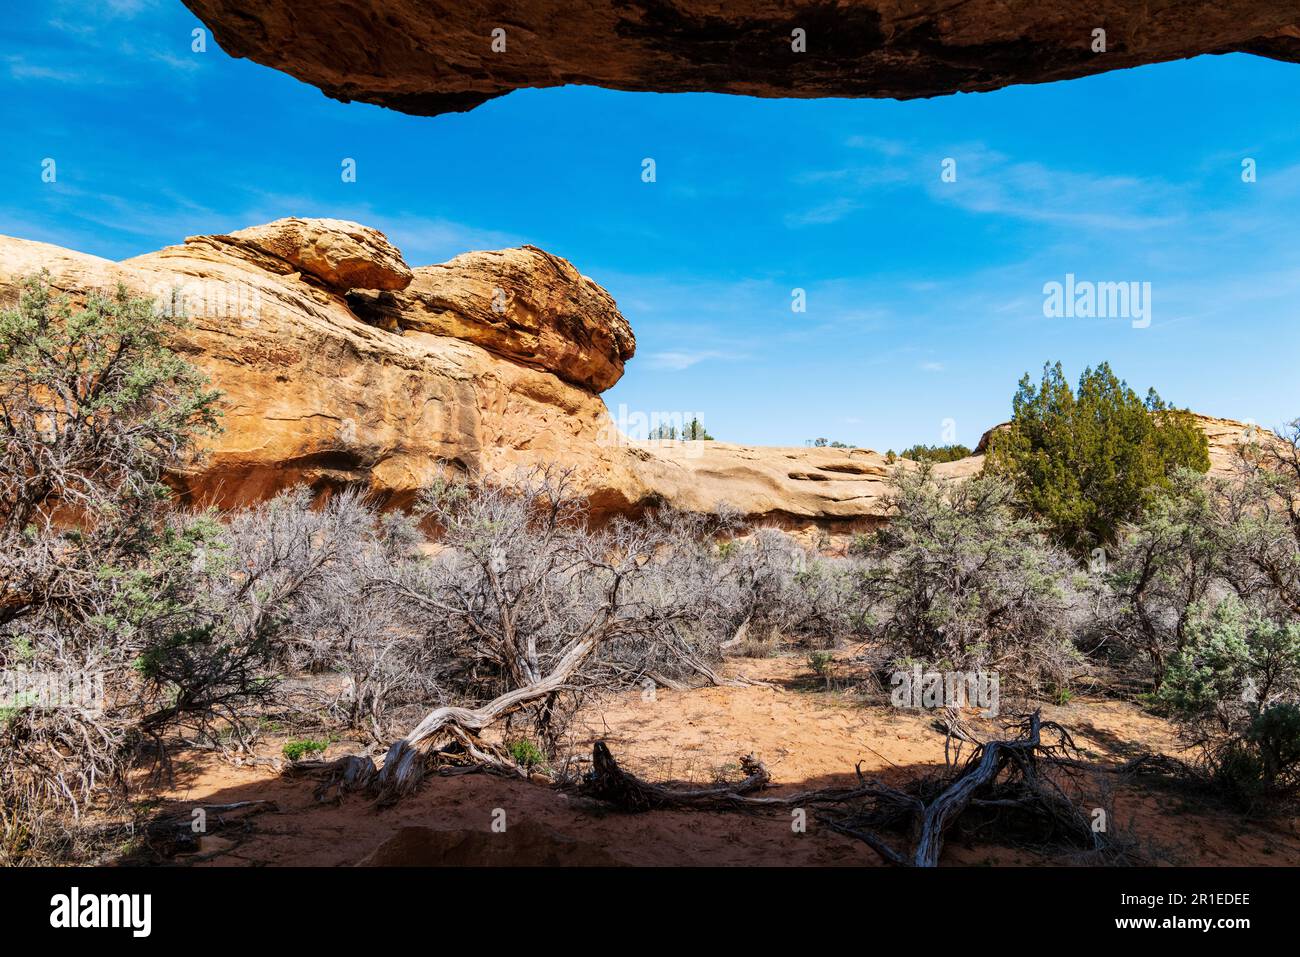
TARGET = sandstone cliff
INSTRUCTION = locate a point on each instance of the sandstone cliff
(341, 365)
(434, 57)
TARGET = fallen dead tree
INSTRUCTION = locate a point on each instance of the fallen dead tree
(441, 730)
(606, 781)
(1012, 776)
(170, 834)
(404, 763)
(447, 735)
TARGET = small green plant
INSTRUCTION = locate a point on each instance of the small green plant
(21, 649)
(862, 543)
(298, 749)
(525, 754)
(727, 773)
(823, 665)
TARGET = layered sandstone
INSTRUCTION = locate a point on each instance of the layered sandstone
(332, 375)
(434, 57)
(522, 304)
(313, 393)
(341, 255)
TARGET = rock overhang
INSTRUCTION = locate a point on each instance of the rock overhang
(430, 58)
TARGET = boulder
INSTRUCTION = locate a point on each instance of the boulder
(522, 304)
(342, 255)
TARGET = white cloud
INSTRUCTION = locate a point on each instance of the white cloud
(878, 144)
(678, 361)
(990, 182)
(823, 214)
(20, 69)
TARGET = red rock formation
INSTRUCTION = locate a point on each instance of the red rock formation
(429, 57)
(326, 383)
(522, 304)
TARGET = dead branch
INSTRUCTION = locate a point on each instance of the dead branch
(736, 640)
(174, 833)
(606, 781)
(1003, 775)
(1148, 762)
(403, 766)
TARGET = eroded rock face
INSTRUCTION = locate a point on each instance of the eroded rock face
(314, 394)
(342, 255)
(331, 386)
(427, 57)
(523, 304)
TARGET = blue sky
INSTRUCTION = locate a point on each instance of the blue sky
(924, 297)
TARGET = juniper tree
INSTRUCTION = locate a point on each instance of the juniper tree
(1086, 460)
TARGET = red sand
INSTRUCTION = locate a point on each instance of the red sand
(807, 738)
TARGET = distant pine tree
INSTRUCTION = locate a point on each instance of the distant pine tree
(663, 432)
(935, 453)
(696, 432)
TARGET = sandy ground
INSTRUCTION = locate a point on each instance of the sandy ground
(808, 736)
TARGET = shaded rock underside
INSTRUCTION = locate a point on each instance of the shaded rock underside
(426, 57)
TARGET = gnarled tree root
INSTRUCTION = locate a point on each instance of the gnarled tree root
(998, 774)
(449, 733)
(606, 781)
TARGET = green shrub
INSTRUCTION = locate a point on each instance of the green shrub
(861, 544)
(821, 662)
(1275, 735)
(1236, 770)
(1165, 563)
(1087, 460)
(1262, 761)
(962, 577)
(823, 665)
(525, 753)
(296, 750)
(1234, 687)
(97, 407)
